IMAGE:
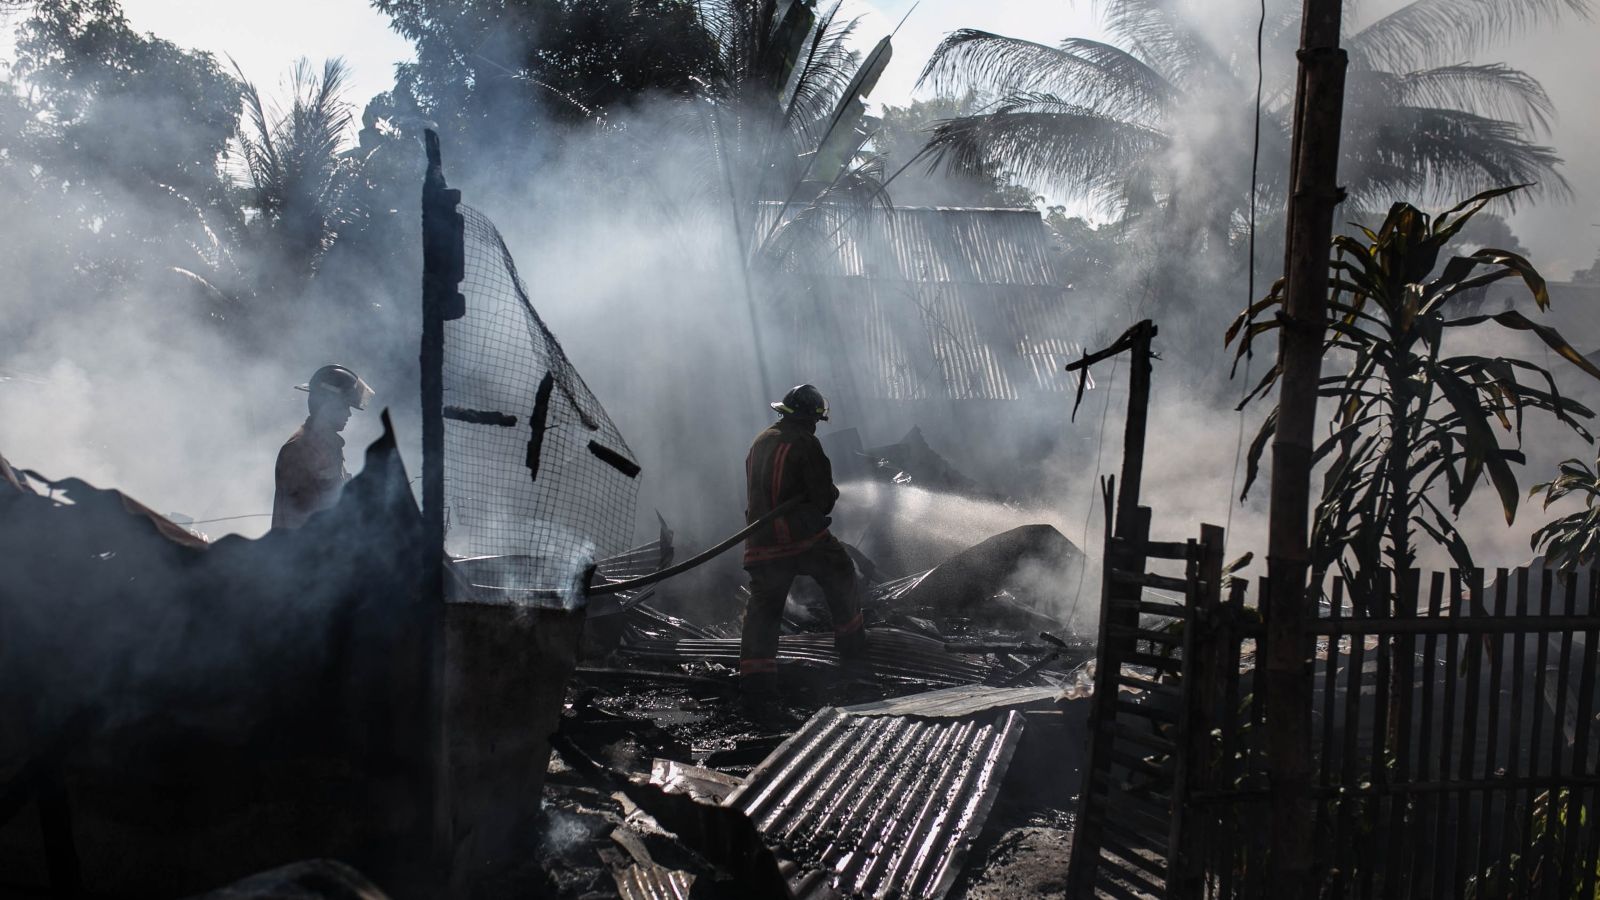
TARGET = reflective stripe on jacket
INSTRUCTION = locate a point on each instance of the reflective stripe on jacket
(787, 461)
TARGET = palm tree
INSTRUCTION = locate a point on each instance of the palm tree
(1141, 121)
(297, 173)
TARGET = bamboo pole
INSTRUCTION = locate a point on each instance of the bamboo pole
(1319, 101)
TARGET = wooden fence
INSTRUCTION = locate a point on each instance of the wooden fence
(1453, 727)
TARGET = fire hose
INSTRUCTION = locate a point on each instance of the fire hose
(617, 587)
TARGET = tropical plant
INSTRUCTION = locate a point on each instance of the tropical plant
(1134, 122)
(1413, 431)
(1572, 540)
(297, 172)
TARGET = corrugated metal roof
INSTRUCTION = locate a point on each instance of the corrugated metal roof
(933, 303)
(887, 805)
(968, 245)
(896, 655)
(957, 702)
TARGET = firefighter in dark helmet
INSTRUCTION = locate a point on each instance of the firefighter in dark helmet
(310, 472)
(786, 461)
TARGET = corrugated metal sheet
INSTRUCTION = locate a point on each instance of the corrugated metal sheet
(887, 806)
(652, 882)
(957, 702)
(896, 655)
(934, 303)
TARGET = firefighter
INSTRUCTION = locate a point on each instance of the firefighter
(786, 461)
(310, 472)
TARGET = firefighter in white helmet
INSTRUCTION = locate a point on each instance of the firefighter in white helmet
(310, 472)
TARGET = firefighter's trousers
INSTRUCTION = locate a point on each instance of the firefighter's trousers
(827, 563)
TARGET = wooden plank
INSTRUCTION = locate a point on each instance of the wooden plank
(1540, 676)
(1427, 762)
(1443, 837)
(1153, 608)
(1561, 759)
(1585, 765)
(1580, 751)
(1518, 800)
(1117, 892)
(1154, 871)
(1123, 546)
(1372, 841)
(1153, 661)
(1405, 675)
(1472, 650)
(1349, 759)
(1150, 580)
(1492, 731)
(1141, 634)
(1146, 711)
(1130, 835)
(1142, 738)
(1329, 694)
(1141, 765)
(1166, 549)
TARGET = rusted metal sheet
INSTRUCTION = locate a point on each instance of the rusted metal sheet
(896, 655)
(880, 806)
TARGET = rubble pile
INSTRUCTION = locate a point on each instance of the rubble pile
(590, 750)
(953, 772)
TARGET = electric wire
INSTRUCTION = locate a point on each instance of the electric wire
(1250, 271)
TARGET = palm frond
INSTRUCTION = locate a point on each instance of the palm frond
(1434, 151)
(1425, 33)
(1046, 141)
(1081, 71)
(1161, 31)
(1491, 90)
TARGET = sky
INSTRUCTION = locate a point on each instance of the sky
(266, 38)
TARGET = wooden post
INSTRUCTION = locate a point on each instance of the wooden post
(443, 267)
(1319, 102)
(1206, 663)
(1133, 431)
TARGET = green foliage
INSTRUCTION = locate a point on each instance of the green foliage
(1555, 819)
(489, 72)
(1572, 540)
(124, 106)
(1413, 431)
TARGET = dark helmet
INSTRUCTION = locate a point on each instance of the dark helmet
(338, 382)
(803, 401)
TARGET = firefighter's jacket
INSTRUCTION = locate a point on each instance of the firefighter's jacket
(309, 474)
(787, 461)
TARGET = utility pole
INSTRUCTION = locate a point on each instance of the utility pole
(1314, 192)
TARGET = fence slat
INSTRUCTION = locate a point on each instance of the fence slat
(1536, 763)
(1427, 763)
(1405, 649)
(1560, 758)
(1490, 828)
(1444, 880)
(1472, 659)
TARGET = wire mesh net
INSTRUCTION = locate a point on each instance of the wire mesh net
(535, 473)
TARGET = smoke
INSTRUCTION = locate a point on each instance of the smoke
(633, 238)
